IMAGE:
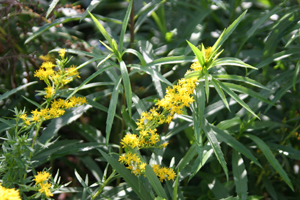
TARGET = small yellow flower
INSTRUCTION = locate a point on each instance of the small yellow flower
(62, 53)
(41, 177)
(45, 189)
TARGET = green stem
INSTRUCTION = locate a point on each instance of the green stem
(112, 175)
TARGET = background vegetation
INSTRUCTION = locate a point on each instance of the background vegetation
(76, 145)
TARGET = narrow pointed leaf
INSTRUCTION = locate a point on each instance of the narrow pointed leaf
(206, 85)
(47, 26)
(239, 175)
(297, 68)
(215, 145)
(220, 92)
(7, 94)
(102, 30)
(112, 109)
(127, 86)
(231, 141)
(241, 79)
(231, 62)
(236, 97)
(51, 7)
(227, 32)
(271, 158)
(124, 26)
(198, 53)
(245, 90)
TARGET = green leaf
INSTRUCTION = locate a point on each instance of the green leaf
(285, 150)
(257, 24)
(231, 141)
(133, 51)
(239, 175)
(175, 189)
(155, 183)
(268, 185)
(55, 22)
(171, 60)
(152, 72)
(79, 53)
(102, 30)
(226, 124)
(236, 97)
(206, 85)
(130, 179)
(51, 7)
(112, 109)
(127, 86)
(199, 55)
(241, 79)
(93, 167)
(90, 8)
(124, 26)
(245, 90)
(187, 157)
(227, 32)
(215, 145)
(291, 18)
(82, 182)
(297, 68)
(230, 62)
(220, 92)
(7, 94)
(91, 77)
(33, 102)
(271, 158)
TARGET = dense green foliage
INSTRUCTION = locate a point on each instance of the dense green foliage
(238, 140)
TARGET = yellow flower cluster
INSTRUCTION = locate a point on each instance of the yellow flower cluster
(176, 98)
(133, 163)
(42, 180)
(9, 194)
(54, 79)
(164, 173)
(56, 110)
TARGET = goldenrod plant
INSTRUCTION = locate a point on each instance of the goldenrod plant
(161, 100)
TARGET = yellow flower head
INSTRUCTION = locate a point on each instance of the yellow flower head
(130, 140)
(41, 177)
(9, 194)
(62, 53)
(45, 189)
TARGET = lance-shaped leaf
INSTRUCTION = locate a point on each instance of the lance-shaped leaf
(215, 145)
(124, 26)
(239, 175)
(199, 55)
(55, 22)
(230, 62)
(112, 109)
(241, 79)
(227, 32)
(127, 86)
(245, 90)
(220, 92)
(102, 30)
(271, 158)
(236, 97)
(7, 94)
